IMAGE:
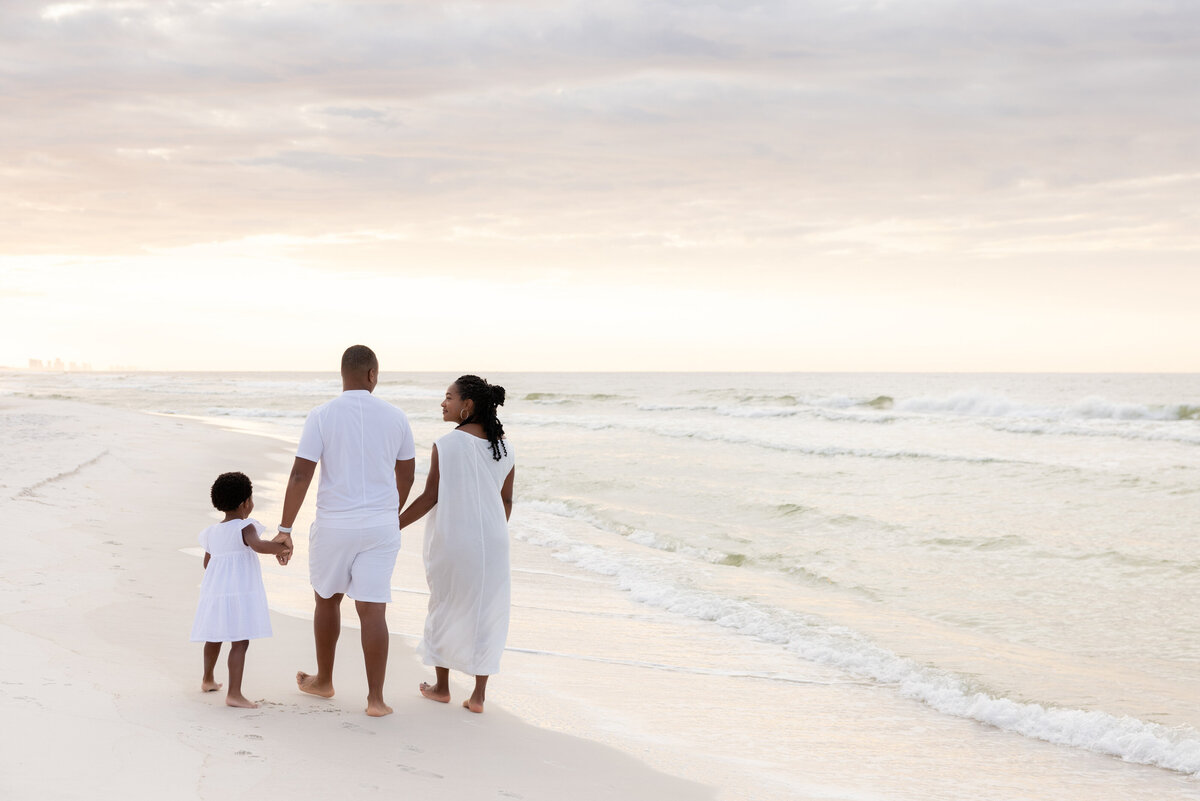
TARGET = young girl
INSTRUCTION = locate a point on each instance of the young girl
(233, 601)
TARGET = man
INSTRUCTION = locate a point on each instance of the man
(365, 448)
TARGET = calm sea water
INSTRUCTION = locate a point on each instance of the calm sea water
(1005, 561)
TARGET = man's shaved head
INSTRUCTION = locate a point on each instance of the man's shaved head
(357, 360)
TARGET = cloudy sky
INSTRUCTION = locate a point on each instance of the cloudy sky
(821, 185)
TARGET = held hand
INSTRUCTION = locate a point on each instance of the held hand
(286, 554)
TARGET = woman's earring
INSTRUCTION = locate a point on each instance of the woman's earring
(463, 415)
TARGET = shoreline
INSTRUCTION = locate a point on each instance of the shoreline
(686, 695)
(101, 682)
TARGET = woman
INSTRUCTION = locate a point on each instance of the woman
(468, 496)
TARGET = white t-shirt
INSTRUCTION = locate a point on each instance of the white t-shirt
(358, 439)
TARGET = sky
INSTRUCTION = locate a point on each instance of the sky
(519, 185)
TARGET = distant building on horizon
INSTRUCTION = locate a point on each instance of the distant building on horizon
(57, 364)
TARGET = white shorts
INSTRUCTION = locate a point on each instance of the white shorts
(355, 561)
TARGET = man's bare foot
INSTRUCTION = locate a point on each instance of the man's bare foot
(378, 709)
(473, 705)
(435, 693)
(240, 701)
(309, 684)
(209, 686)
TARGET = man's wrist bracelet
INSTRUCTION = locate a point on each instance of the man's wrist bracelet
(284, 529)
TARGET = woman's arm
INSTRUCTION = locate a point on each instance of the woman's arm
(258, 545)
(207, 556)
(427, 499)
(506, 492)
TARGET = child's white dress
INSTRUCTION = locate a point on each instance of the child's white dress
(233, 600)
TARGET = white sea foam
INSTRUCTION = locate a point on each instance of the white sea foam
(675, 407)
(815, 640)
(975, 404)
(758, 411)
(1158, 433)
(386, 390)
(589, 423)
(639, 536)
(600, 424)
(959, 404)
(281, 413)
(875, 418)
(826, 450)
(832, 402)
(724, 411)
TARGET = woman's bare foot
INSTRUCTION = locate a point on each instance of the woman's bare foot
(309, 684)
(240, 701)
(473, 705)
(435, 693)
(377, 709)
(209, 686)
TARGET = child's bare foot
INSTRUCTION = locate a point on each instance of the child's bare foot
(310, 685)
(435, 693)
(239, 701)
(473, 705)
(378, 709)
(209, 686)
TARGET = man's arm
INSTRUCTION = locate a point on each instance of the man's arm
(293, 496)
(427, 499)
(405, 472)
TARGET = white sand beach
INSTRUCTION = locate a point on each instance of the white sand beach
(100, 688)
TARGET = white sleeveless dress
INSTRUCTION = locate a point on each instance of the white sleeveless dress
(233, 600)
(466, 558)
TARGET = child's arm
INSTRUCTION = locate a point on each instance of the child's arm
(207, 556)
(259, 545)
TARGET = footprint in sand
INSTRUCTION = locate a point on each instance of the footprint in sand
(424, 774)
(356, 727)
(253, 736)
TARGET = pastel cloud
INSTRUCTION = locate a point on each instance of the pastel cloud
(819, 147)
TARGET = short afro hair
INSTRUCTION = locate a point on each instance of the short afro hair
(358, 359)
(230, 491)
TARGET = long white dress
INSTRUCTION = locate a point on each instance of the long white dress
(466, 558)
(233, 600)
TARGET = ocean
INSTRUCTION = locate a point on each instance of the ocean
(819, 585)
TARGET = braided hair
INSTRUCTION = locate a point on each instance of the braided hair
(486, 397)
